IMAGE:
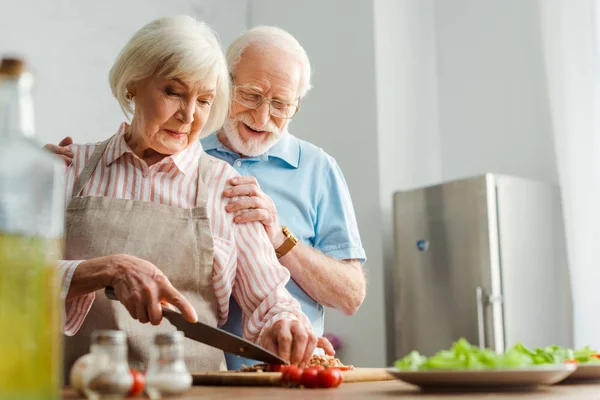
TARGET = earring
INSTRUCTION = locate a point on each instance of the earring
(128, 96)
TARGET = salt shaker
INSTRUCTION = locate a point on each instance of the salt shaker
(167, 373)
(108, 376)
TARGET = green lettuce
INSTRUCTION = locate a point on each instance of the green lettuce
(556, 354)
(463, 355)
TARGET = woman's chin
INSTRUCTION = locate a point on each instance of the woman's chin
(172, 147)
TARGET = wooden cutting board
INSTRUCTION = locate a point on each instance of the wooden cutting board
(236, 378)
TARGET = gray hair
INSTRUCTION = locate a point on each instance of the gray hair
(267, 37)
(173, 47)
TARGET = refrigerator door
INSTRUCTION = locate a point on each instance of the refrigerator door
(447, 268)
(535, 278)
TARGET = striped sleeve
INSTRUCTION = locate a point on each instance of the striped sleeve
(75, 309)
(254, 276)
(260, 283)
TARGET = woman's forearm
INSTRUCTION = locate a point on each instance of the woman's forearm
(90, 276)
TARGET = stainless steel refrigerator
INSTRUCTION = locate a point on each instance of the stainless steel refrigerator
(482, 258)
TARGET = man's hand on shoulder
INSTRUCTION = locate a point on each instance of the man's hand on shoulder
(62, 150)
(252, 204)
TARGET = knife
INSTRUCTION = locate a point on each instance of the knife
(214, 337)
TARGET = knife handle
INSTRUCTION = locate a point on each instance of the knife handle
(109, 291)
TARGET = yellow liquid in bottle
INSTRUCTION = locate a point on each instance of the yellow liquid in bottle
(30, 319)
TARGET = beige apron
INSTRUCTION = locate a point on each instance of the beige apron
(178, 241)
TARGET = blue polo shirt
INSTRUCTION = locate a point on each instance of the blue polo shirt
(312, 200)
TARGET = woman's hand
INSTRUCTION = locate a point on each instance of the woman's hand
(252, 204)
(290, 340)
(141, 287)
(61, 150)
(325, 344)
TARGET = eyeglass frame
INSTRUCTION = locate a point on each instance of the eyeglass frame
(269, 100)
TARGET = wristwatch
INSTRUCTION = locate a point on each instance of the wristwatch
(289, 243)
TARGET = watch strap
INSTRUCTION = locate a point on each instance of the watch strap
(289, 243)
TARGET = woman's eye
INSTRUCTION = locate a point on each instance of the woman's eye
(204, 102)
(171, 92)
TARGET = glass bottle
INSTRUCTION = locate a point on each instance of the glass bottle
(167, 373)
(108, 376)
(31, 231)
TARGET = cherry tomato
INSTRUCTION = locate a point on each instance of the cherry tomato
(330, 378)
(571, 362)
(276, 367)
(319, 368)
(139, 382)
(310, 378)
(342, 368)
(595, 355)
(292, 375)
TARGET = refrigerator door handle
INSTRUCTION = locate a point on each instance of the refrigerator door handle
(481, 303)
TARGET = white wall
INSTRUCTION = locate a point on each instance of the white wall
(493, 107)
(72, 44)
(339, 114)
(407, 115)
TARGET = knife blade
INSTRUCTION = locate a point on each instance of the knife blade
(214, 337)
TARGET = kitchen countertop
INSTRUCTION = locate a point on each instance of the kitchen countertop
(376, 390)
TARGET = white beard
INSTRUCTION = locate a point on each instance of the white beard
(251, 147)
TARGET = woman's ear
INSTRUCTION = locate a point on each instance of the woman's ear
(132, 88)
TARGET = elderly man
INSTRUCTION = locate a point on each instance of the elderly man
(294, 188)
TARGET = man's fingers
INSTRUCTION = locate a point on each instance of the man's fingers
(243, 180)
(66, 141)
(59, 150)
(254, 215)
(246, 203)
(175, 298)
(325, 344)
(242, 190)
(68, 160)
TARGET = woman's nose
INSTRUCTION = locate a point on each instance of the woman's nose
(186, 112)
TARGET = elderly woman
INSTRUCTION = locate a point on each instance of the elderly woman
(145, 213)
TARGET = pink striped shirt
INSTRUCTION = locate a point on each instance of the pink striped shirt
(245, 264)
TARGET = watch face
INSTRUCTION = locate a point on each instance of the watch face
(289, 234)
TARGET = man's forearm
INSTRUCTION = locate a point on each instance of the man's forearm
(339, 284)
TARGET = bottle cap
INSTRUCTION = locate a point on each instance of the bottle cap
(12, 66)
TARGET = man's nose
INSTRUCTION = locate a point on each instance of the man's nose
(262, 115)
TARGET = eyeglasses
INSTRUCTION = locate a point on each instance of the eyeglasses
(252, 99)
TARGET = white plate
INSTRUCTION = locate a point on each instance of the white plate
(585, 372)
(490, 378)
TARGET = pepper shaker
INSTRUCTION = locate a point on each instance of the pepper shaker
(108, 376)
(167, 373)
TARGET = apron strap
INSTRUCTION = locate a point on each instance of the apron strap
(89, 168)
(205, 164)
